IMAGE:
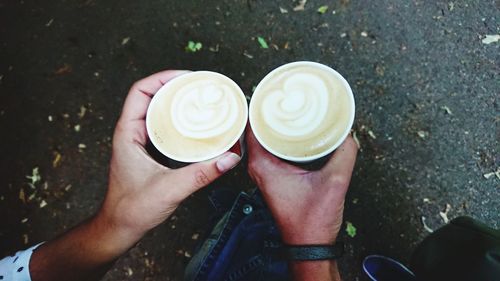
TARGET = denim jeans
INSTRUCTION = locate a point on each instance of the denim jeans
(243, 245)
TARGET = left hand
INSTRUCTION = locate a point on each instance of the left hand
(142, 193)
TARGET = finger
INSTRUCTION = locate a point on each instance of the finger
(201, 174)
(261, 160)
(342, 161)
(139, 97)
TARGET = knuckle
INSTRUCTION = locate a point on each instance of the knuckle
(252, 166)
(201, 178)
(339, 181)
(135, 85)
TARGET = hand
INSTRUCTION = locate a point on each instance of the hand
(141, 192)
(307, 205)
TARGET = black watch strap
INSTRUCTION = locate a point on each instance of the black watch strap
(314, 252)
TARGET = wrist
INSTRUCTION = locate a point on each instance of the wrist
(115, 238)
(305, 238)
(315, 270)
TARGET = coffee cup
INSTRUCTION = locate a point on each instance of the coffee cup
(302, 111)
(197, 116)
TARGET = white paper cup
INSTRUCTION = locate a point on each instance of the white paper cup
(305, 159)
(235, 144)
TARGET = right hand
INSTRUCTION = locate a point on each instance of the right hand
(307, 205)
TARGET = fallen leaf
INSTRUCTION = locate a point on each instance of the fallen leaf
(214, 49)
(422, 134)
(125, 40)
(447, 109)
(444, 215)
(451, 6)
(65, 69)
(301, 6)
(427, 228)
(43, 204)
(22, 195)
(323, 9)
(193, 47)
(31, 197)
(35, 176)
(247, 55)
(81, 147)
(350, 229)
(82, 112)
(489, 175)
(371, 134)
(262, 42)
(57, 159)
(356, 140)
(491, 39)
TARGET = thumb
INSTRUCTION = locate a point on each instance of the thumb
(200, 174)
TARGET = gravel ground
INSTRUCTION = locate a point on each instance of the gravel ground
(427, 90)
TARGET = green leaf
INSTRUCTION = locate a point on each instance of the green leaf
(193, 47)
(350, 229)
(262, 43)
(323, 9)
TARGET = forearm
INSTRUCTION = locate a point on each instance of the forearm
(84, 253)
(315, 270)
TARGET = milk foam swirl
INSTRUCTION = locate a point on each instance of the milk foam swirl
(204, 109)
(298, 108)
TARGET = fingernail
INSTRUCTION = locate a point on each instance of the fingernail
(181, 72)
(227, 162)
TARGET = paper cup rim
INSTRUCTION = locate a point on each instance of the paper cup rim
(335, 145)
(163, 90)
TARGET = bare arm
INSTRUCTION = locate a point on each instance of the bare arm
(141, 194)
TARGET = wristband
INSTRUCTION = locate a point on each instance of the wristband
(313, 252)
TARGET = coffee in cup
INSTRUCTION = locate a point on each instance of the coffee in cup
(197, 116)
(302, 111)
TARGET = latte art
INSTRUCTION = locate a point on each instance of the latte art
(204, 109)
(197, 116)
(297, 109)
(302, 111)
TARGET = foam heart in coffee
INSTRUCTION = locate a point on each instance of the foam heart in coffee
(302, 111)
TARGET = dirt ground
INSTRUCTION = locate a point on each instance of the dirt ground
(426, 84)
